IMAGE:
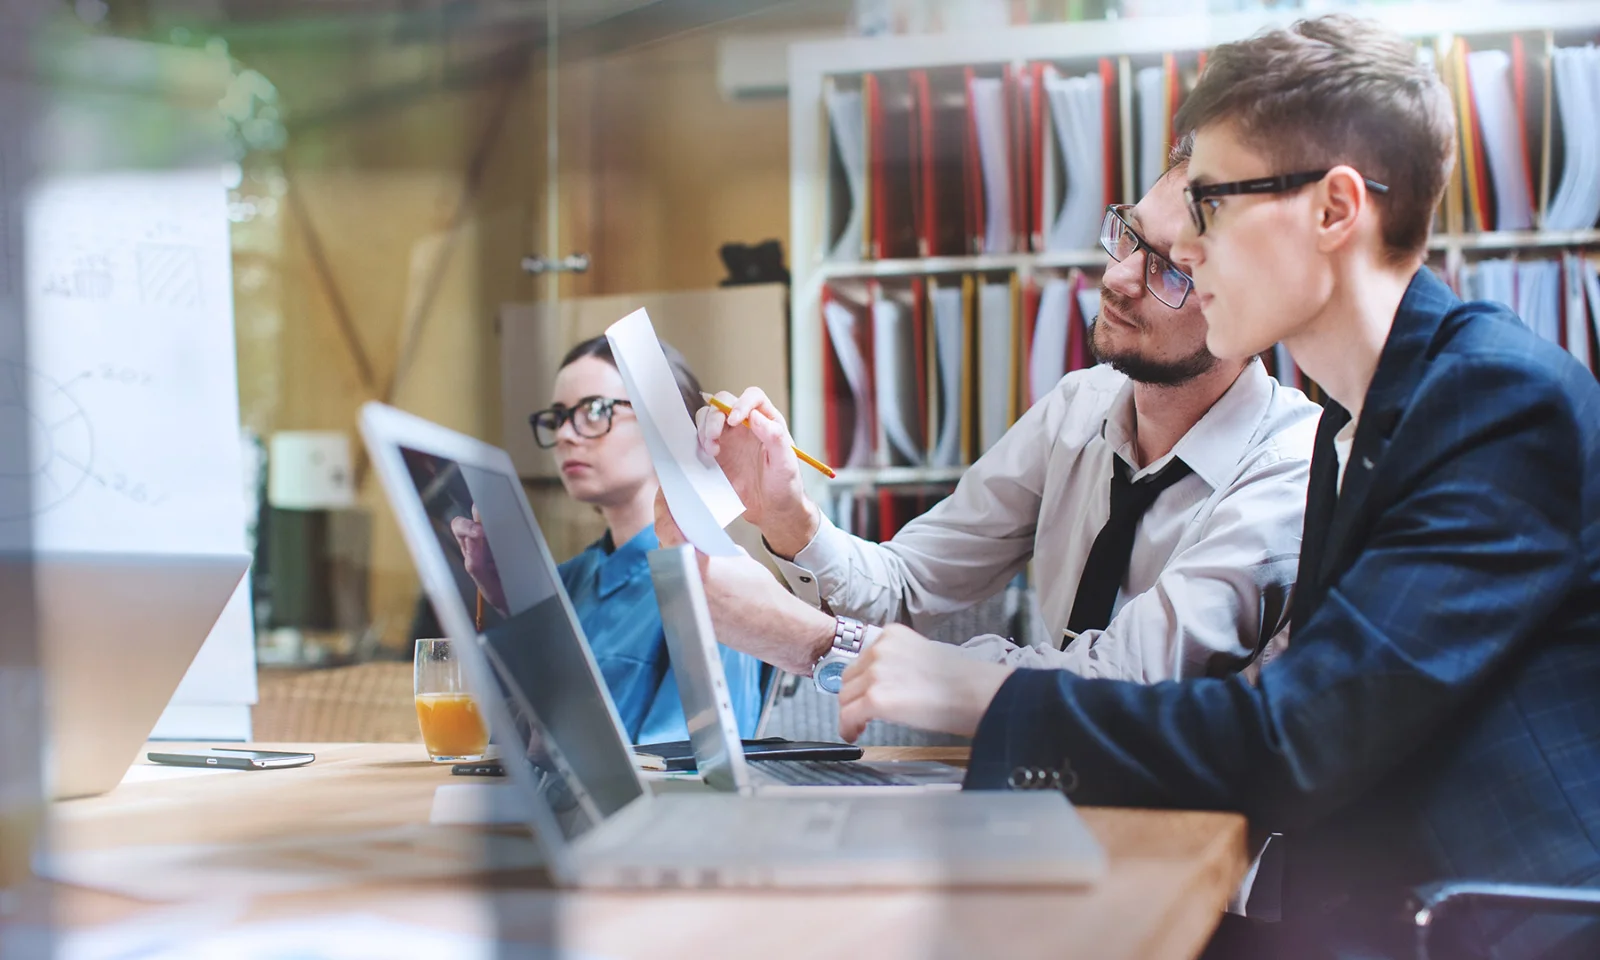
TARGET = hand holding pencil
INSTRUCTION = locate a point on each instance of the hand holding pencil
(805, 458)
(751, 442)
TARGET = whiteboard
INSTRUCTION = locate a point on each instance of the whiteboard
(124, 390)
(128, 388)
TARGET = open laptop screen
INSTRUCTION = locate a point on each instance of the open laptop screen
(537, 651)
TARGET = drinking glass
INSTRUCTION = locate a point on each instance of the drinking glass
(452, 728)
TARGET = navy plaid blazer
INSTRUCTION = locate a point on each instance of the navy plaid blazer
(1437, 713)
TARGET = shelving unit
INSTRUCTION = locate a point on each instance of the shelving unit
(896, 476)
(923, 266)
(1062, 259)
(1074, 45)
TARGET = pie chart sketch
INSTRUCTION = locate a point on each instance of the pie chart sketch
(46, 443)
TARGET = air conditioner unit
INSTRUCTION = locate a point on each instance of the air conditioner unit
(754, 66)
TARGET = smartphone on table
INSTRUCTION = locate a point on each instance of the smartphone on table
(226, 758)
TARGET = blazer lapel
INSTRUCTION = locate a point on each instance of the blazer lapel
(1371, 442)
(1404, 359)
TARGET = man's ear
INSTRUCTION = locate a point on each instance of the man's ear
(1341, 196)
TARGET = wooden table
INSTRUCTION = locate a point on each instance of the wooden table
(1171, 873)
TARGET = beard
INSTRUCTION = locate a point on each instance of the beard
(1141, 368)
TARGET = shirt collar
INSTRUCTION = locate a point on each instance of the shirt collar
(623, 563)
(1214, 446)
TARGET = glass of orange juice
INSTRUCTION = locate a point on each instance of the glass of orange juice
(452, 728)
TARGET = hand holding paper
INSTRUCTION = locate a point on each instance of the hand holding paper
(702, 500)
(748, 437)
(751, 611)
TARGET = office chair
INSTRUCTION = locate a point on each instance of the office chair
(1432, 901)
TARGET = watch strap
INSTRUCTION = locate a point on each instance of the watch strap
(849, 635)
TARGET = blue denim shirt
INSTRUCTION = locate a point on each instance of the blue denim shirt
(615, 601)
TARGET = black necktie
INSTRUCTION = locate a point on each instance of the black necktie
(1107, 565)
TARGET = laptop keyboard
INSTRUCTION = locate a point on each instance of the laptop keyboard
(827, 773)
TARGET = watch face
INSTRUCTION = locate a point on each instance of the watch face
(830, 676)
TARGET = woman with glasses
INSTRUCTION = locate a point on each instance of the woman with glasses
(600, 451)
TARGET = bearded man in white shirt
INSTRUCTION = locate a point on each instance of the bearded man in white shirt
(1159, 495)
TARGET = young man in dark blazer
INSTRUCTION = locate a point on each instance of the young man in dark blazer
(1437, 713)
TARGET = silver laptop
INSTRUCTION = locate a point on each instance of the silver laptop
(115, 634)
(570, 765)
(713, 731)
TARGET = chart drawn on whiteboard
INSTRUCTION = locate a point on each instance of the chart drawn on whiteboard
(39, 415)
(88, 278)
(169, 276)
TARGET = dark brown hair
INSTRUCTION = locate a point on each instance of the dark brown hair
(1338, 90)
(600, 348)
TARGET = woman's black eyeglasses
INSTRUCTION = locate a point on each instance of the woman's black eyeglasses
(1197, 194)
(591, 417)
(1164, 281)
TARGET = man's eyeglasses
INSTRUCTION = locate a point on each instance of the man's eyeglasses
(1164, 281)
(1204, 195)
(591, 417)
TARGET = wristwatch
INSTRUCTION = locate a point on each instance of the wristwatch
(848, 637)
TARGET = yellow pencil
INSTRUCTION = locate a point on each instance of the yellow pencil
(806, 458)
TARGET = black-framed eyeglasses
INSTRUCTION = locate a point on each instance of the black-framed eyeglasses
(1164, 281)
(1205, 194)
(591, 417)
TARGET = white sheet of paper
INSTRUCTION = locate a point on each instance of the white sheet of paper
(1152, 93)
(702, 500)
(995, 387)
(1089, 304)
(1493, 280)
(1047, 363)
(1539, 297)
(948, 317)
(894, 368)
(989, 108)
(1489, 72)
(1577, 315)
(128, 382)
(1576, 203)
(845, 116)
(1591, 284)
(841, 322)
(1077, 108)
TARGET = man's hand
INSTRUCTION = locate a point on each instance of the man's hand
(479, 560)
(906, 678)
(760, 463)
(750, 610)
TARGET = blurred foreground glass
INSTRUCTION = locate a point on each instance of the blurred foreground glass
(452, 728)
(21, 792)
(20, 824)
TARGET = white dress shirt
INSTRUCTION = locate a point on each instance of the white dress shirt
(1214, 559)
(1342, 442)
